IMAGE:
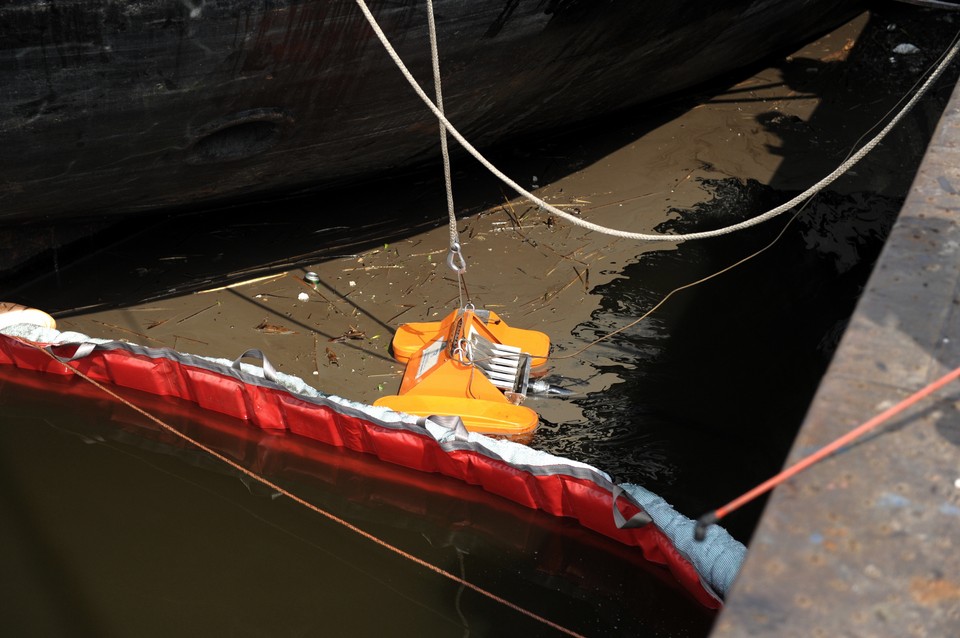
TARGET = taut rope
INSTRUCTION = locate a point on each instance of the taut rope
(810, 192)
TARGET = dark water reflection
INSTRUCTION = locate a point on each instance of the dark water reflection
(716, 382)
(113, 528)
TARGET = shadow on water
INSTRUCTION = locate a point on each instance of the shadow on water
(717, 382)
(721, 375)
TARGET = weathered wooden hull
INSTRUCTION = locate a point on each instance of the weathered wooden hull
(123, 106)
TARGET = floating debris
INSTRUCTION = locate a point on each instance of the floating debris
(247, 282)
(303, 296)
(311, 277)
(332, 357)
(273, 329)
(352, 333)
(906, 49)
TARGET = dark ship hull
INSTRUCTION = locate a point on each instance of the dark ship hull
(114, 107)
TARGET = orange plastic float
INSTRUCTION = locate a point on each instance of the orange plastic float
(472, 365)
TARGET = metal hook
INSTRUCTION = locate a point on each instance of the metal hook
(463, 351)
(455, 259)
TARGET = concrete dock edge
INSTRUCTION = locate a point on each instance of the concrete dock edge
(867, 543)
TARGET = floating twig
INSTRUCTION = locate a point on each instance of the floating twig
(351, 333)
(429, 276)
(274, 329)
(581, 277)
(551, 295)
(255, 280)
(383, 267)
(510, 213)
(198, 312)
(115, 327)
(406, 307)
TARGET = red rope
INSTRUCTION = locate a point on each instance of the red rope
(311, 506)
(802, 464)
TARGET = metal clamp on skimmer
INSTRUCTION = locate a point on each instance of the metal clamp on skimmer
(507, 367)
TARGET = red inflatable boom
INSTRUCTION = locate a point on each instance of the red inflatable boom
(275, 402)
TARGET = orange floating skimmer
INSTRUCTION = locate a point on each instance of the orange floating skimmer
(471, 365)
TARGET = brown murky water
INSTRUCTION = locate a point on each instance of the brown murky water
(111, 530)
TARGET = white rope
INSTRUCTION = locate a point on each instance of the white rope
(810, 192)
(934, 4)
(455, 258)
